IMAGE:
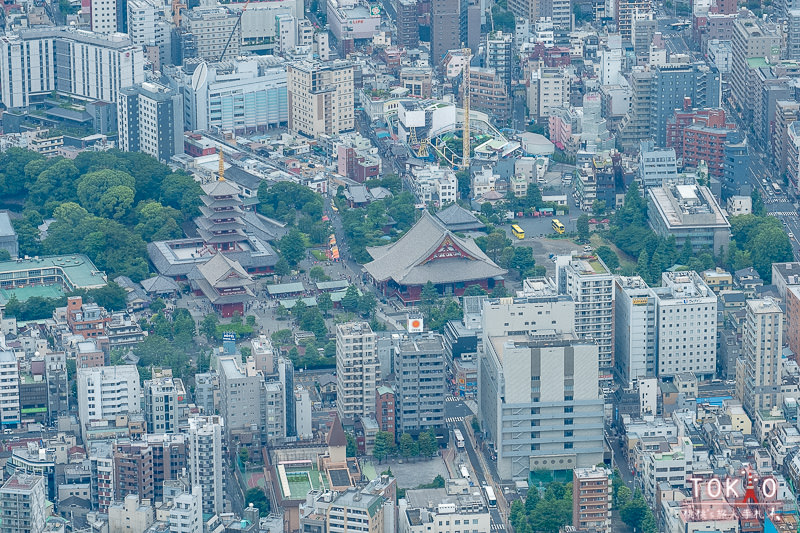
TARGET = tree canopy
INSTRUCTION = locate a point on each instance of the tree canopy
(107, 205)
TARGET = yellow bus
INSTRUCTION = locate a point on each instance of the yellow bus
(517, 232)
(558, 227)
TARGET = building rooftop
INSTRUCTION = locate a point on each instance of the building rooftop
(686, 205)
(682, 285)
(78, 270)
(21, 483)
(26, 293)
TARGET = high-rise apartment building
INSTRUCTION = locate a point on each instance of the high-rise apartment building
(107, 391)
(162, 396)
(420, 382)
(55, 367)
(687, 325)
(500, 55)
(170, 459)
(148, 27)
(320, 97)
(407, 21)
(385, 410)
(356, 369)
(758, 378)
(592, 493)
(793, 35)
(750, 39)
(101, 463)
(23, 501)
(90, 66)
(207, 460)
(549, 90)
(445, 28)
(9, 390)
(133, 470)
(150, 119)
(211, 28)
(588, 281)
(635, 334)
(626, 11)
(142, 18)
(636, 123)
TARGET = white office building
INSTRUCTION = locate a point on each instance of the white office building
(9, 390)
(148, 26)
(186, 515)
(241, 95)
(538, 391)
(442, 511)
(216, 32)
(537, 307)
(356, 369)
(635, 336)
(107, 391)
(656, 165)
(321, 97)
(207, 460)
(588, 281)
(102, 14)
(434, 185)
(90, 66)
(302, 413)
(687, 325)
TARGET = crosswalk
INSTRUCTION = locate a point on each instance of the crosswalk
(453, 419)
(498, 527)
(783, 214)
(452, 399)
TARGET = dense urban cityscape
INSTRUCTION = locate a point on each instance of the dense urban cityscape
(399, 266)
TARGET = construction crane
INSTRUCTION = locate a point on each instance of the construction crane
(465, 146)
(235, 26)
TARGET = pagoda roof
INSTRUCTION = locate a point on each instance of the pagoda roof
(219, 202)
(220, 188)
(213, 238)
(430, 252)
(214, 226)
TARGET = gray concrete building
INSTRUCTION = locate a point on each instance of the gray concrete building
(689, 212)
(540, 403)
(211, 28)
(239, 396)
(419, 382)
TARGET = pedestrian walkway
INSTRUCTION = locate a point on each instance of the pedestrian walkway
(452, 399)
(453, 419)
(473, 405)
(782, 213)
(498, 527)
